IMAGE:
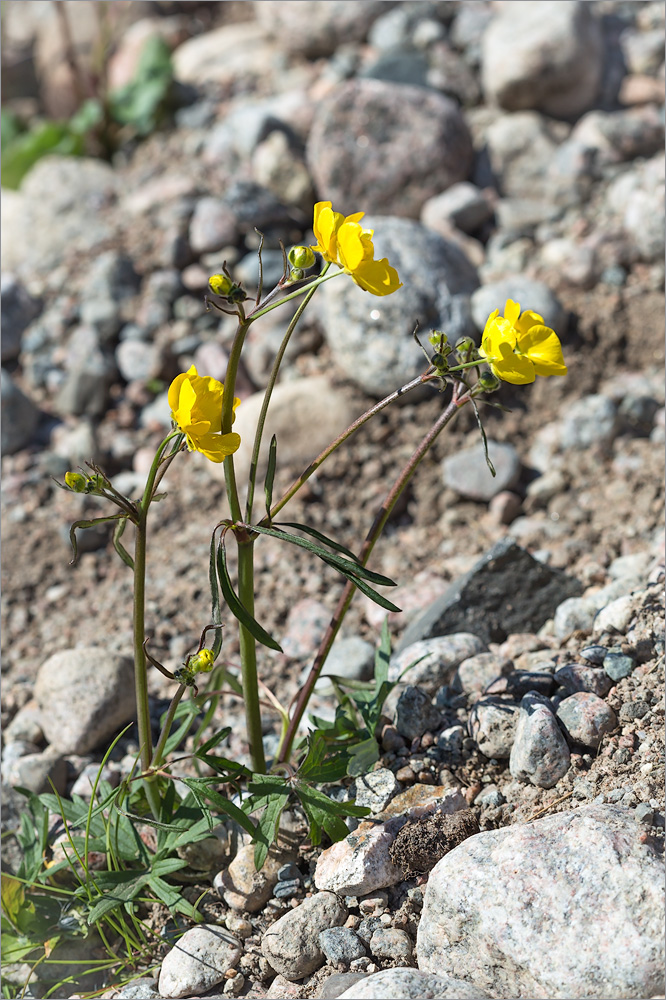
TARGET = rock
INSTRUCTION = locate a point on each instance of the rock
(476, 672)
(616, 665)
(198, 961)
(434, 660)
(224, 55)
(90, 371)
(410, 984)
(573, 614)
(360, 864)
(585, 718)
(212, 226)
(20, 416)
(309, 29)
(539, 753)
(85, 782)
(291, 944)
(139, 360)
(36, 771)
(415, 714)
(618, 884)
(548, 57)
(520, 682)
(278, 166)
(616, 616)
(371, 338)
(84, 695)
(351, 657)
(376, 789)
(305, 627)
(529, 293)
(463, 205)
(25, 726)
(243, 887)
(578, 677)
(19, 309)
(642, 196)
(467, 473)
(588, 422)
(374, 144)
(306, 402)
(493, 723)
(341, 946)
(506, 591)
(336, 984)
(393, 943)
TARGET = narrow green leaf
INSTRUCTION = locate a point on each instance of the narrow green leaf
(88, 524)
(214, 741)
(235, 606)
(215, 599)
(119, 547)
(203, 787)
(270, 474)
(320, 538)
(366, 589)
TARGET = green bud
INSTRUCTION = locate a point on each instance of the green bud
(488, 382)
(464, 345)
(76, 482)
(220, 284)
(296, 274)
(201, 662)
(301, 258)
(95, 483)
(438, 339)
(439, 361)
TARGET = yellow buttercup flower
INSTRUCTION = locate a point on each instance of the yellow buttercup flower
(518, 347)
(196, 408)
(343, 241)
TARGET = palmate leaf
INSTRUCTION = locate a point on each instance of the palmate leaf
(202, 789)
(235, 606)
(326, 814)
(269, 793)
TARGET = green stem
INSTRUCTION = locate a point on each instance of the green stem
(248, 654)
(267, 398)
(166, 729)
(371, 538)
(353, 427)
(262, 309)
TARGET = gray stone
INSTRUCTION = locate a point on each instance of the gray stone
(212, 226)
(539, 753)
(520, 682)
(526, 872)
(493, 723)
(400, 66)
(90, 371)
(411, 984)
(430, 663)
(84, 695)
(25, 726)
(341, 946)
(376, 789)
(579, 677)
(370, 337)
(338, 983)
(393, 943)
(415, 713)
(507, 591)
(20, 416)
(591, 421)
(85, 782)
(350, 657)
(198, 961)
(375, 144)
(477, 672)
(312, 29)
(548, 57)
(585, 718)
(244, 888)
(467, 472)
(594, 655)
(463, 205)
(531, 294)
(573, 614)
(138, 360)
(19, 309)
(617, 665)
(291, 944)
(36, 771)
(617, 615)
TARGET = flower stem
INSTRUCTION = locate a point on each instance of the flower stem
(267, 398)
(248, 654)
(374, 533)
(166, 729)
(262, 308)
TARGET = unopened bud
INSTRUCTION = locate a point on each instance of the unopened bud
(220, 284)
(438, 339)
(301, 258)
(76, 481)
(464, 345)
(488, 382)
(201, 662)
(439, 361)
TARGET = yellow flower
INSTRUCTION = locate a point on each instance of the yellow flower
(343, 241)
(518, 347)
(196, 408)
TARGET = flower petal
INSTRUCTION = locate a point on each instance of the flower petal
(498, 331)
(511, 367)
(354, 245)
(542, 346)
(511, 311)
(528, 320)
(216, 447)
(378, 277)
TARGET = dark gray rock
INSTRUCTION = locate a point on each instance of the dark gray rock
(89, 375)
(371, 338)
(507, 591)
(578, 677)
(20, 416)
(467, 471)
(617, 665)
(19, 309)
(341, 946)
(594, 655)
(338, 984)
(415, 714)
(375, 144)
(520, 682)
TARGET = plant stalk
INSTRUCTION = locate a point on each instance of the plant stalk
(374, 533)
(248, 654)
(166, 729)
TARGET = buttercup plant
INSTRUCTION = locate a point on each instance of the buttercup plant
(516, 347)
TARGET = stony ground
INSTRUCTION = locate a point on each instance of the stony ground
(584, 496)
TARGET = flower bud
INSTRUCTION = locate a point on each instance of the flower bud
(76, 481)
(464, 345)
(438, 339)
(488, 382)
(439, 361)
(220, 284)
(301, 258)
(201, 662)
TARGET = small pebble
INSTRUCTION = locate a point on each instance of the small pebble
(594, 655)
(645, 813)
(618, 665)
